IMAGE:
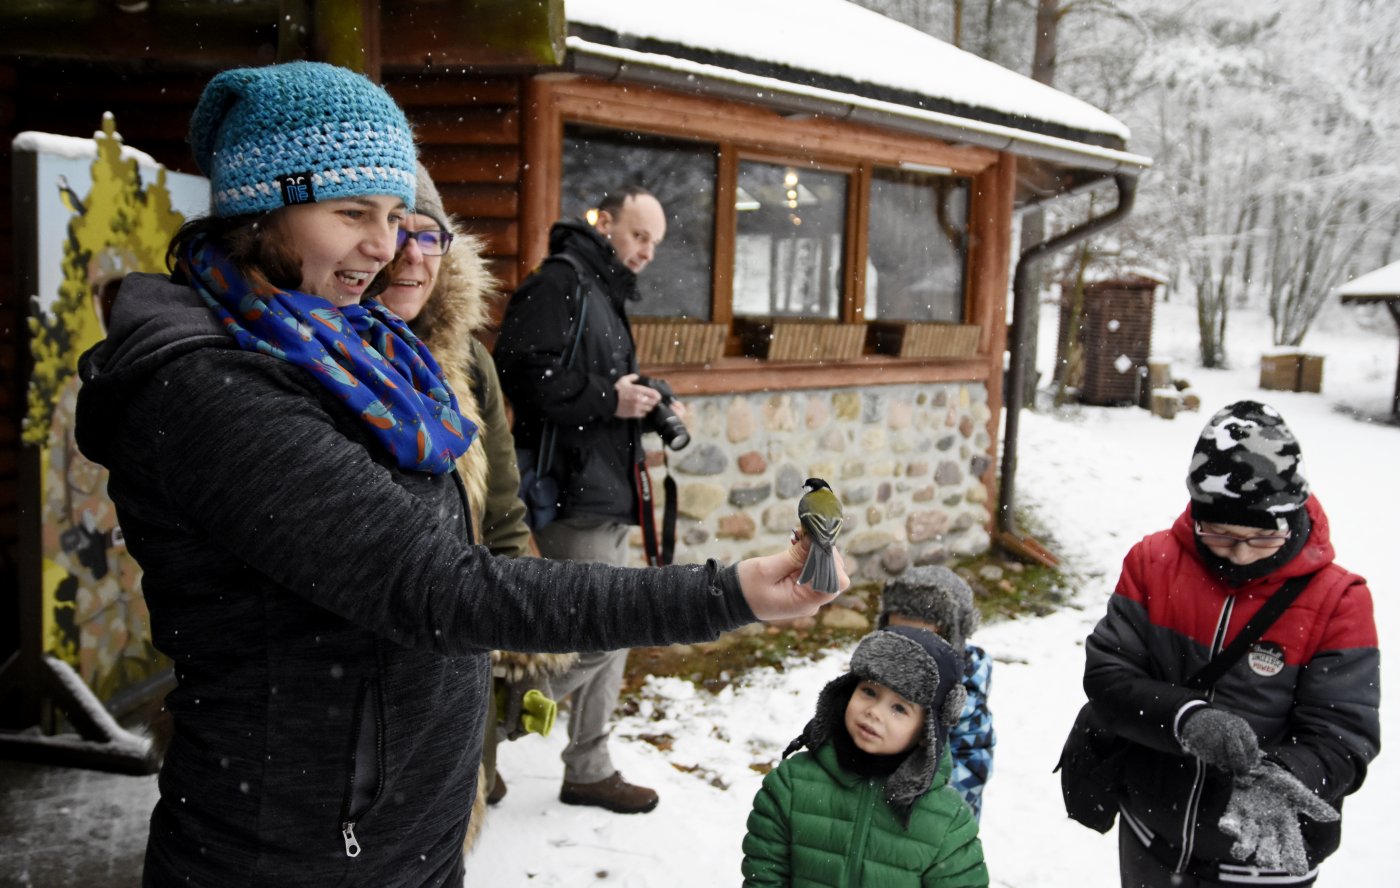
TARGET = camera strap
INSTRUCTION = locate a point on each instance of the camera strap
(664, 553)
(646, 512)
(668, 514)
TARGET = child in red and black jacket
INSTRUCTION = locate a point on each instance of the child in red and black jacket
(1241, 783)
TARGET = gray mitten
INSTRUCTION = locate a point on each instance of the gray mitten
(1262, 818)
(1220, 738)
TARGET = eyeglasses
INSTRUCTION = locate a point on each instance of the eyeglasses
(1227, 541)
(431, 242)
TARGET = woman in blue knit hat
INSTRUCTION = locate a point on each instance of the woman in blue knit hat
(282, 459)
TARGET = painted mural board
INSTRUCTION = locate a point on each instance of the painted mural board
(96, 211)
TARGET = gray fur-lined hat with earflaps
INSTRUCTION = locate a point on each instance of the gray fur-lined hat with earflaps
(922, 668)
(933, 594)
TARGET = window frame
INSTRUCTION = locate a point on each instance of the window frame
(743, 132)
(744, 154)
(710, 152)
(967, 304)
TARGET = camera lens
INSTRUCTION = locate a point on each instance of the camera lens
(664, 421)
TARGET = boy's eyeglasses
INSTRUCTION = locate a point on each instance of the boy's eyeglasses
(432, 242)
(1226, 540)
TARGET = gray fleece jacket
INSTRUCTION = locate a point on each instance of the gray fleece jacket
(326, 613)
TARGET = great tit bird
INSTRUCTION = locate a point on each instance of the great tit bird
(820, 513)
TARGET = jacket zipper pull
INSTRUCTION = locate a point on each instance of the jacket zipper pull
(352, 844)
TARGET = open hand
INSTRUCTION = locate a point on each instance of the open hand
(770, 584)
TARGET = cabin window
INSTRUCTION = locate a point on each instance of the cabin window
(916, 255)
(788, 258)
(790, 241)
(681, 174)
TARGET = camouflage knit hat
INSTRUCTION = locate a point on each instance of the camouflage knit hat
(936, 595)
(921, 668)
(1247, 469)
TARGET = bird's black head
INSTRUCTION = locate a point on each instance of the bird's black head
(815, 484)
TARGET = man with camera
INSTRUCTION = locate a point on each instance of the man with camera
(569, 367)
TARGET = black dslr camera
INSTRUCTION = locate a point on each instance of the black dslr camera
(662, 419)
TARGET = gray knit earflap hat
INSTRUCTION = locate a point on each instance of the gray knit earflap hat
(1247, 469)
(933, 594)
(920, 667)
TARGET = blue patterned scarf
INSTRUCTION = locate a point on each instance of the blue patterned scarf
(365, 354)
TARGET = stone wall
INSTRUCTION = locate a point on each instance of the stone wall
(905, 460)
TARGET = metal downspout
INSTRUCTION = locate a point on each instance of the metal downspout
(1021, 293)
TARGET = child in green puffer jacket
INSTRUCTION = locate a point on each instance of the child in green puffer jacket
(868, 802)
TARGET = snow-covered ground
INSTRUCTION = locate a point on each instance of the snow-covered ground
(1099, 479)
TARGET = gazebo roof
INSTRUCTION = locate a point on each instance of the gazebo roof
(1381, 285)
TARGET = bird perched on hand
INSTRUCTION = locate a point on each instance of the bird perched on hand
(819, 511)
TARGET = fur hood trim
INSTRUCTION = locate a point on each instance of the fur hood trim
(454, 313)
(458, 309)
(516, 667)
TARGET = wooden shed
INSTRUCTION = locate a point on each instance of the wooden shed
(831, 298)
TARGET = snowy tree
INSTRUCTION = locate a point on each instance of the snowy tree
(1268, 123)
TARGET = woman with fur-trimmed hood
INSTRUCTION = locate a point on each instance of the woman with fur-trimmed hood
(440, 285)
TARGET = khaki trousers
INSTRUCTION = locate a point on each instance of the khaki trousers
(593, 683)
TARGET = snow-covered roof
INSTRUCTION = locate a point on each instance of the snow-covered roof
(73, 147)
(1383, 283)
(839, 52)
(1098, 274)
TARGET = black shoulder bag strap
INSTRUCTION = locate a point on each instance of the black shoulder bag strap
(544, 460)
(1257, 626)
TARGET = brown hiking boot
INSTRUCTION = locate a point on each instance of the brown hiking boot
(498, 790)
(614, 793)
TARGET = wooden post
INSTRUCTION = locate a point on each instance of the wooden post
(347, 34)
(542, 138)
(1394, 306)
(1159, 373)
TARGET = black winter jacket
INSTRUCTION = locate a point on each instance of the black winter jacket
(596, 453)
(326, 615)
(1310, 688)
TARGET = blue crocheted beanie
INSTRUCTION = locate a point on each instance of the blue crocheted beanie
(299, 133)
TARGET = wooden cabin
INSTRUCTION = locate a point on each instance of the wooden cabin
(831, 298)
